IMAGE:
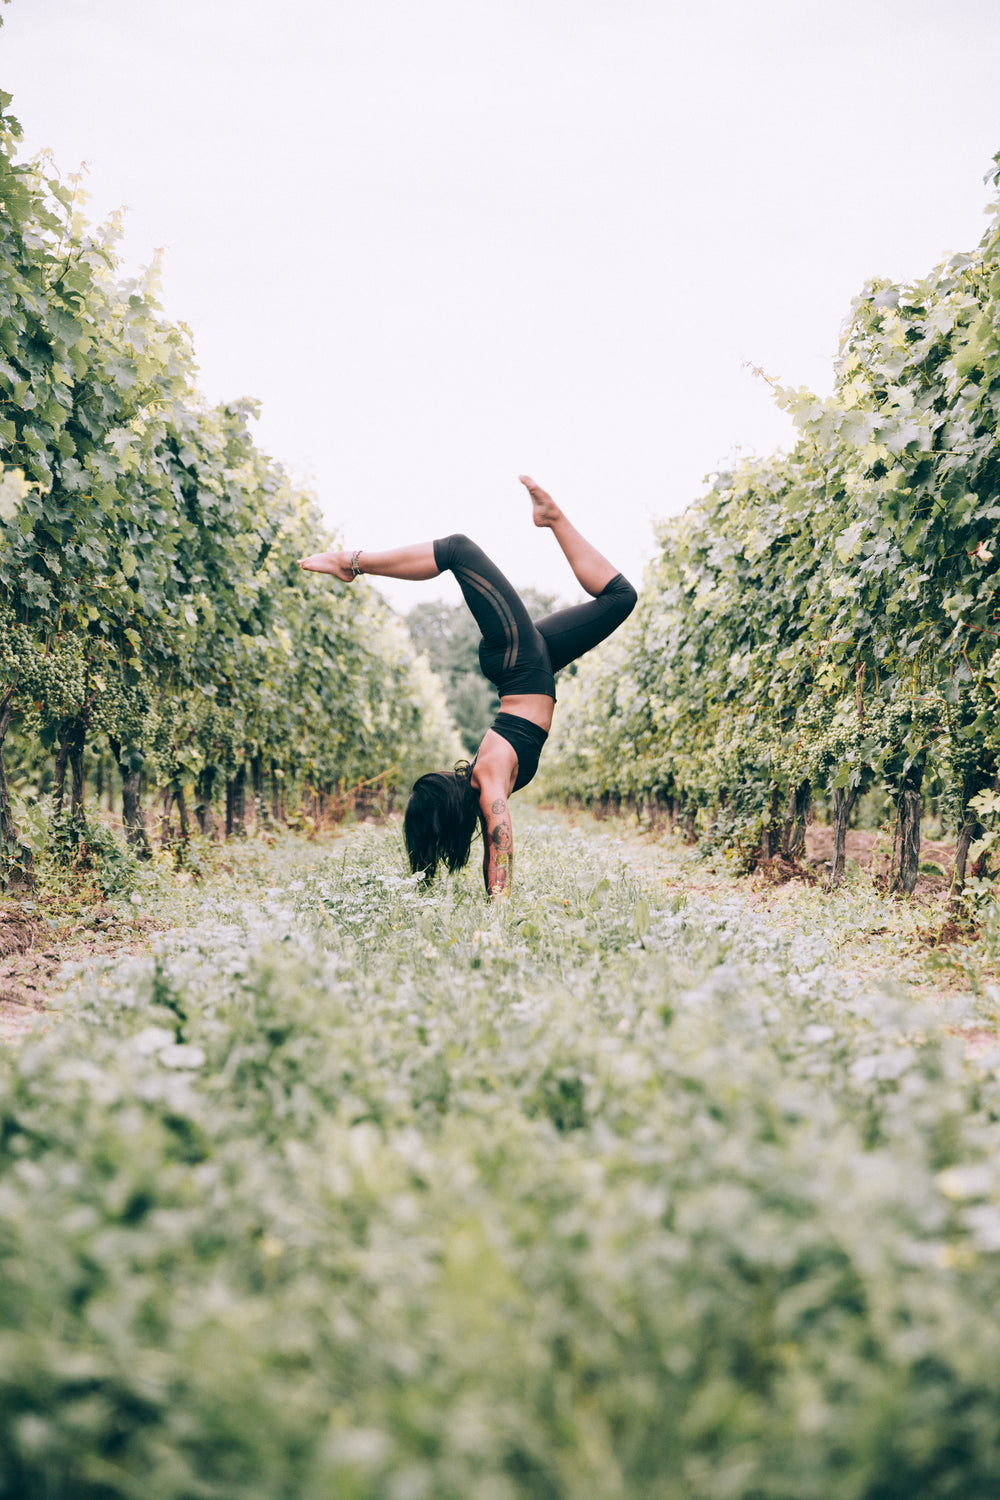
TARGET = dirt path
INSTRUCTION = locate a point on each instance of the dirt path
(41, 954)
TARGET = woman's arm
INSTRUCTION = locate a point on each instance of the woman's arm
(416, 562)
(498, 841)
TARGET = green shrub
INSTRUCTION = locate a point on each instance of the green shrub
(89, 848)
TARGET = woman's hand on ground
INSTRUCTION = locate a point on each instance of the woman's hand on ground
(337, 563)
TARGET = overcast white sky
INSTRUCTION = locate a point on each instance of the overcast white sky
(445, 241)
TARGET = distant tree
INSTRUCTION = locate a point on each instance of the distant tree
(450, 637)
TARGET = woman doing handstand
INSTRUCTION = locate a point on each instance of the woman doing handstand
(520, 657)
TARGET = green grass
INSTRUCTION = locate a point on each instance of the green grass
(354, 1191)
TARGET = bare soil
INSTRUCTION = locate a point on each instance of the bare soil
(873, 852)
(34, 951)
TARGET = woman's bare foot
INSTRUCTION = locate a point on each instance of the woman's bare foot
(337, 563)
(545, 509)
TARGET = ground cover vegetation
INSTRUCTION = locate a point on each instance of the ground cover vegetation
(153, 622)
(353, 1188)
(827, 621)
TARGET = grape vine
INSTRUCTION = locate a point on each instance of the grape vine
(827, 620)
(149, 593)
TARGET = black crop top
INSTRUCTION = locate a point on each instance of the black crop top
(526, 738)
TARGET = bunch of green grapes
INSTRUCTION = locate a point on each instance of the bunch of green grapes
(58, 681)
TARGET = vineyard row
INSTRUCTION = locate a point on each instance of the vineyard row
(827, 621)
(150, 599)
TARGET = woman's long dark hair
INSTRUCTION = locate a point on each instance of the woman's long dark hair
(440, 820)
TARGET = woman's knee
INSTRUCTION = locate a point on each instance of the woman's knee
(623, 594)
(449, 550)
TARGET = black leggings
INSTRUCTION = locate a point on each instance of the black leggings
(517, 654)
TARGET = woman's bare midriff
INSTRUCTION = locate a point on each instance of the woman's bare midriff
(497, 758)
(537, 707)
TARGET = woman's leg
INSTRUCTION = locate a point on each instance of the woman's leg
(496, 606)
(593, 571)
(570, 632)
(416, 562)
(510, 640)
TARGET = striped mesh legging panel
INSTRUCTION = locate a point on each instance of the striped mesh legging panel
(496, 606)
(517, 654)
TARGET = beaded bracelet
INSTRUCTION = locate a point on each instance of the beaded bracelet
(355, 565)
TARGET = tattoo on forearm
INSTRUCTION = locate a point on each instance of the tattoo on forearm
(500, 851)
(501, 837)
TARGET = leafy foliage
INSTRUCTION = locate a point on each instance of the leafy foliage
(830, 616)
(148, 586)
(362, 1190)
(92, 849)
